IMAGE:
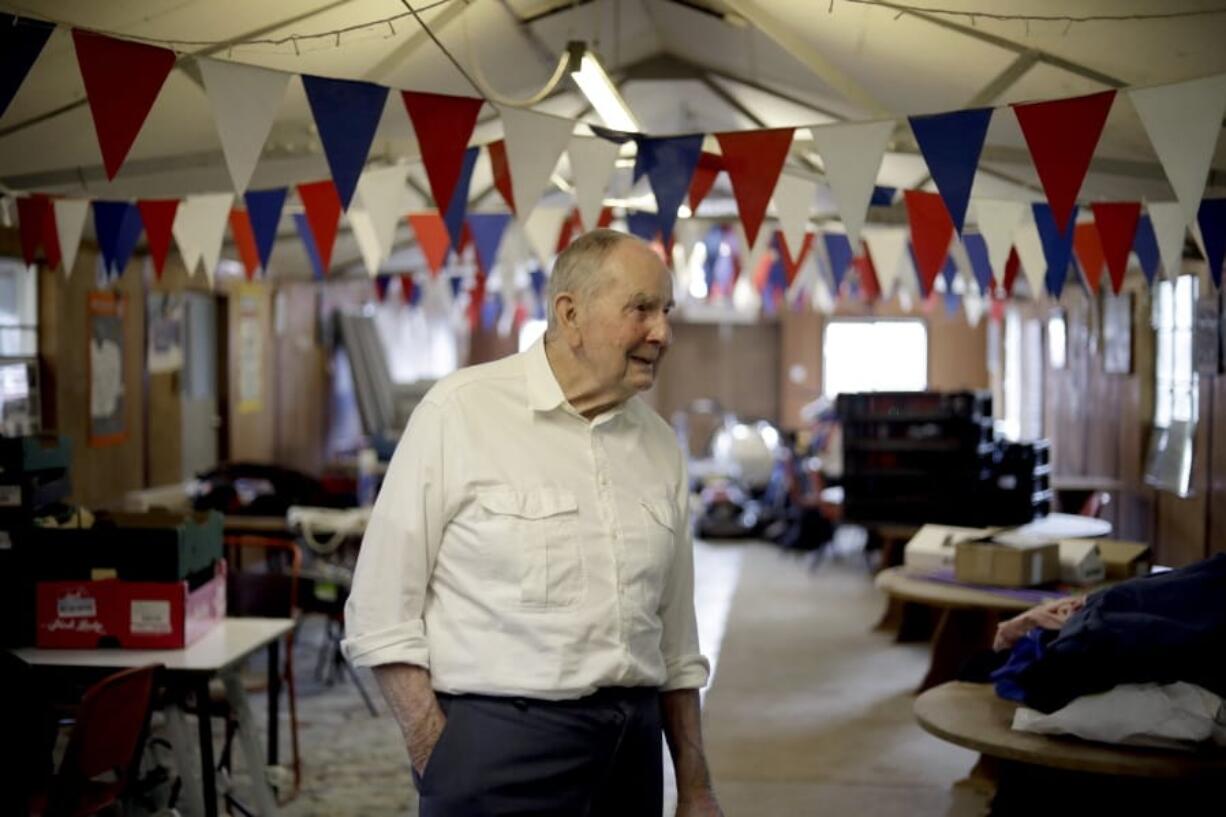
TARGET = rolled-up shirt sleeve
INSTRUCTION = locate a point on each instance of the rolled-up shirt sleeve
(383, 616)
(685, 666)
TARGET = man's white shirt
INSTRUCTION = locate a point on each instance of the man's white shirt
(517, 548)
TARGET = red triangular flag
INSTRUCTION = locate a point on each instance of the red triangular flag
(1062, 135)
(754, 160)
(31, 217)
(159, 218)
(432, 237)
(790, 266)
(572, 228)
(406, 288)
(606, 217)
(868, 274)
(931, 232)
(443, 124)
(502, 172)
(1117, 228)
(122, 79)
(1089, 251)
(1012, 266)
(244, 239)
(709, 166)
(323, 212)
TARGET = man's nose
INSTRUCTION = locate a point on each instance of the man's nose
(661, 331)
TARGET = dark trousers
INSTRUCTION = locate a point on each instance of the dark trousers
(597, 756)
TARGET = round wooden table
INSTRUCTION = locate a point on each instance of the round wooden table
(972, 716)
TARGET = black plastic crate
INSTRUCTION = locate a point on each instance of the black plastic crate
(23, 495)
(921, 405)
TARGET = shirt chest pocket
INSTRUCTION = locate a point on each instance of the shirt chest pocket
(537, 533)
(658, 519)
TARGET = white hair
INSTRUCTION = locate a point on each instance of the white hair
(579, 268)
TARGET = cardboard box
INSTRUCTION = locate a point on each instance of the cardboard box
(991, 563)
(1124, 560)
(130, 615)
(1081, 562)
(932, 547)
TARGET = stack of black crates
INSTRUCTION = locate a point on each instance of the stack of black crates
(33, 482)
(920, 457)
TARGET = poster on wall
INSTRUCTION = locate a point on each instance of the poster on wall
(107, 421)
(164, 316)
(1117, 333)
(250, 351)
(1206, 341)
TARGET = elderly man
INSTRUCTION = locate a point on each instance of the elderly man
(525, 587)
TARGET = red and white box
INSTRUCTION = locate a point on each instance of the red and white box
(130, 615)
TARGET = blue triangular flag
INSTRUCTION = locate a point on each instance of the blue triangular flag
(347, 114)
(981, 264)
(949, 271)
(487, 230)
(838, 248)
(308, 241)
(1211, 217)
(264, 212)
(454, 217)
(491, 310)
(1145, 245)
(537, 280)
(130, 230)
(882, 196)
(951, 144)
(952, 302)
(108, 220)
(642, 224)
(1057, 246)
(457, 282)
(21, 41)
(669, 164)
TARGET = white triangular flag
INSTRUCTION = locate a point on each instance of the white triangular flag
(534, 143)
(793, 199)
(998, 221)
(1030, 253)
(1170, 228)
(1183, 122)
(591, 166)
(887, 246)
(245, 101)
(822, 298)
(542, 229)
(975, 306)
(205, 222)
(381, 191)
(851, 157)
(70, 217)
(187, 234)
(751, 256)
(745, 299)
(363, 228)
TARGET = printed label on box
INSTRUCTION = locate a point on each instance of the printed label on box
(151, 617)
(76, 605)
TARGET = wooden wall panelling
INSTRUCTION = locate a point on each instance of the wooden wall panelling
(301, 378)
(800, 376)
(252, 432)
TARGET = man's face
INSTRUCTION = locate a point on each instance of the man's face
(625, 332)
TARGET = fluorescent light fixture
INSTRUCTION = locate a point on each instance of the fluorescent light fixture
(590, 76)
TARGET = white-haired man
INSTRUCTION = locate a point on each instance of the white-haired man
(525, 587)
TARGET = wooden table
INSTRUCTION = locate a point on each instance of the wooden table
(967, 621)
(220, 652)
(1033, 769)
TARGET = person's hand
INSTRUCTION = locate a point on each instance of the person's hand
(422, 741)
(699, 804)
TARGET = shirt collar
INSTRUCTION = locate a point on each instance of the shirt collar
(544, 391)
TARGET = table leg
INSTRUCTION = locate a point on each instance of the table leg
(249, 739)
(960, 634)
(274, 699)
(191, 800)
(208, 771)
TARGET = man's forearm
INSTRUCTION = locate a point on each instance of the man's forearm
(683, 730)
(410, 694)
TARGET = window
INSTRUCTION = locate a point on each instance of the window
(421, 342)
(19, 392)
(874, 355)
(1176, 386)
(1023, 380)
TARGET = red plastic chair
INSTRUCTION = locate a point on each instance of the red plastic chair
(104, 747)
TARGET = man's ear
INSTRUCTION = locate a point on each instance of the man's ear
(566, 308)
